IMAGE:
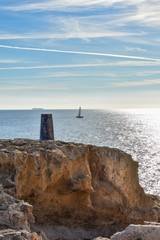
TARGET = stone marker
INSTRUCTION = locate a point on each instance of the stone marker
(46, 131)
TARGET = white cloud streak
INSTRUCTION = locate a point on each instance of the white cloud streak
(135, 49)
(71, 34)
(9, 61)
(68, 5)
(137, 83)
(144, 11)
(108, 75)
(91, 25)
(62, 5)
(81, 53)
(120, 64)
(37, 88)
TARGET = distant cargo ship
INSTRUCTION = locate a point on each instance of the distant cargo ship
(37, 108)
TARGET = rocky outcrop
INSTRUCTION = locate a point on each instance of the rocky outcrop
(74, 185)
(10, 234)
(139, 232)
(14, 213)
(148, 231)
(15, 219)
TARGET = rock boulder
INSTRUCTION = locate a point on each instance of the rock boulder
(139, 232)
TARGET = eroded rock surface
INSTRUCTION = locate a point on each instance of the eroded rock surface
(10, 234)
(76, 185)
(139, 232)
(14, 213)
(15, 219)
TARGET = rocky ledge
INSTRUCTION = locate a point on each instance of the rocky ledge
(77, 191)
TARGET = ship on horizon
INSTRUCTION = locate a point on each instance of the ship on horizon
(37, 108)
(79, 113)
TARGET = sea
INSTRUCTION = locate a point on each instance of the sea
(135, 131)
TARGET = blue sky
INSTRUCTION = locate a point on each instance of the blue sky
(93, 53)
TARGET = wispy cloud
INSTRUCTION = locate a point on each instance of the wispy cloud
(144, 11)
(9, 61)
(68, 74)
(136, 83)
(71, 34)
(86, 65)
(81, 53)
(90, 26)
(135, 49)
(37, 88)
(55, 66)
(147, 13)
(135, 63)
(68, 5)
(75, 74)
(61, 5)
(106, 74)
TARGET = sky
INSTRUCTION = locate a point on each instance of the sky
(62, 54)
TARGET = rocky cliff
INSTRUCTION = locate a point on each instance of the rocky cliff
(15, 219)
(74, 185)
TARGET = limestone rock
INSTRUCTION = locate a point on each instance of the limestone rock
(72, 184)
(101, 238)
(14, 213)
(139, 232)
(15, 219)
(11, 234)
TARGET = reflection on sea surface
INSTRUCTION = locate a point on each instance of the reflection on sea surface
(135, 131)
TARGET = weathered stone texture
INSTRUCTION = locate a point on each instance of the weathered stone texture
(14, 213)
(10, 234)
(76, 185)
(139, 232)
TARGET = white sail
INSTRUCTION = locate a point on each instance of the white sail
(79, 113)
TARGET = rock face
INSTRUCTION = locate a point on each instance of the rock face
(14, 213)
(15, 219)
(76, 185)
(139, 232)
(11, 234)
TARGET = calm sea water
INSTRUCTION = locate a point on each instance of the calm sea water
(137, 132)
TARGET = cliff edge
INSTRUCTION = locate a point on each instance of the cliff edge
(73, 185)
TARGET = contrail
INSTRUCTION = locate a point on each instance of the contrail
(81, 53)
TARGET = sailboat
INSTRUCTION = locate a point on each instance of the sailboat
(79, 113)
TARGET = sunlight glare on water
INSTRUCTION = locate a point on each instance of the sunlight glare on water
(135, 131)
